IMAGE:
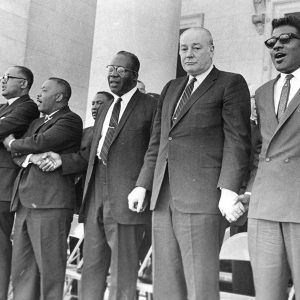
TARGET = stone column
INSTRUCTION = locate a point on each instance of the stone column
(149, 29)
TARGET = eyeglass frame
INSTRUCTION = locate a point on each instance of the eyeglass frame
(5, 78)
(290, 36)
(116, 69)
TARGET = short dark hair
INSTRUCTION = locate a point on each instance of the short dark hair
(67, 91)
(288, 20)
(134, 59)
(107, 94)
(27, 73)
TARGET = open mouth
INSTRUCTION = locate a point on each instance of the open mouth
(279, 56)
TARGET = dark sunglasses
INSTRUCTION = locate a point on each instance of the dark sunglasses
(284, 38)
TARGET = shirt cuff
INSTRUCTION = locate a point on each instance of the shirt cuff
(26, 161)
(9, 144)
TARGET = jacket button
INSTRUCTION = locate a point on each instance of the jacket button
(170, 138)
(268, 159)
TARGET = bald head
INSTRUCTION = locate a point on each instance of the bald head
(196, 50)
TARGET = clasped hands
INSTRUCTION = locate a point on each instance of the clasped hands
(48, 161)
(233, 206)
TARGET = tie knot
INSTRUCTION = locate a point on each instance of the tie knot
(289, 77)
(47, 118)
(119, 100)
(193, 80)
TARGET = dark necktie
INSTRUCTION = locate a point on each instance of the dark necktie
(114, 119)
(284, 96)
(184, 99)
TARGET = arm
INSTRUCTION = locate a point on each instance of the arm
(144, 182)
(237, 144)
(17, 121)
(63, 134)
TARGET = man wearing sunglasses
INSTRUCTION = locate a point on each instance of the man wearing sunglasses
(15, 117)
(274, 212)
(113, 233)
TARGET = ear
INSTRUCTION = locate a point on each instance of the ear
(59, 97)
(212, 50)
(24, 84)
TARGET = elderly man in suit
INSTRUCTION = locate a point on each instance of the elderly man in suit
(43, 202)
(113, 233)
(274, 210)
(15, 117)
(200, 152)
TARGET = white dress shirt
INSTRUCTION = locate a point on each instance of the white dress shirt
(125, 100)
(294, 87)
(200, 78)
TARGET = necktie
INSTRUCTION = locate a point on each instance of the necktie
(284, 96)
(114, 119)
(47, 118)
(184, 99)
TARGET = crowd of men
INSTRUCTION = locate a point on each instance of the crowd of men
(184, 159)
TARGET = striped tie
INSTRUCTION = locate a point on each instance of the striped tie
(284, 96)
(113, 123)
(184, 99)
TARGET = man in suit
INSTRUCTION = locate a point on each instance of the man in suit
(15, 117)
(200, 151)
(113, 233)
(87, 135)
(43, 202)
(273, 218)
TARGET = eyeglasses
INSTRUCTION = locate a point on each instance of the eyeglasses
(5, 78)
(120, 70)
(284, 38)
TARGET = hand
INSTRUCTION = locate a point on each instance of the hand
(244, 199)
(229, 205)
(7, 141)
(136, 199)
(37, 159)
(51, 161)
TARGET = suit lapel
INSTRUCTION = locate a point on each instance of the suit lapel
(178, 90)
(41, 123)
(128, 110)
(198, 93)
(98, 128)
(295, 102)
(5, 109)
(269, 103)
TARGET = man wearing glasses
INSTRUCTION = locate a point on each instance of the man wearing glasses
(113, 233)
(274, 212)
(15, 117)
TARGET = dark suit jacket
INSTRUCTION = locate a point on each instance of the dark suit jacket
(207, 147)
(276, 188)
(125, 157)
(14, 119)
(37, 189)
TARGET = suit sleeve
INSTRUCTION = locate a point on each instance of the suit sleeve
(18, 120)
(237, 134)
(256, 152)
(145, 178)
(73, 163)
(63, 134)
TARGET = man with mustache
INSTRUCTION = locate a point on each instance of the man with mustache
(44, 202)
(15, 117)
(113, 233)
(274, 210)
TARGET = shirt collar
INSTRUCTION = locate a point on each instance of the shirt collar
(296, 74)
(12, 100)
(203, 75)
(126, 97)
